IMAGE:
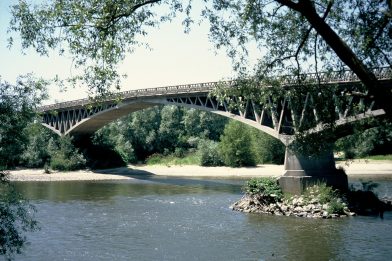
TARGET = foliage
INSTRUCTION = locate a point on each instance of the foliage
(162, 130)
(317, 35)
(190, 158)
(336, 207)
(376, 140)
(235, 146)
(109, 138)
(64, 156)
(35, 153)
(326, 195)
(380, 157)
(209, 153)
(171, 129)
(97, 34)
(17, 109)
(266, 148)
(16, 217)
(264, 186)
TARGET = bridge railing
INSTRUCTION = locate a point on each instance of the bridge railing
(381, 73)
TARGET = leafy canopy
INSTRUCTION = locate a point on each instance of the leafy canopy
(17, 110)
(295, 36)
(97, 34)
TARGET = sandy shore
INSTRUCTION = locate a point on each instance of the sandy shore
(375, 169)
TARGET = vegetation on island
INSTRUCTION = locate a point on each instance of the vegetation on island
(263, 195)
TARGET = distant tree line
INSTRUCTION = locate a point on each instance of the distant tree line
(177, 132)
(161, 130)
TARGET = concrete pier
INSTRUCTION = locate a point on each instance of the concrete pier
(303, 171)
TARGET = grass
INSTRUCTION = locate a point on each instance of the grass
(171, 160)
(374, 157)
(380, 157)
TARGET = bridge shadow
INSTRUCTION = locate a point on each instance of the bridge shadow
(214, 183)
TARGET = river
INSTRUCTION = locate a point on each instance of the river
(158, 218)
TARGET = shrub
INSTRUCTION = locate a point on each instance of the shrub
(265, 186)
(326, 195)
(154, 159)
(59, 162)
(209, 153)
(64, 156)
(126, 151)
(336, 206)
(235, 146)
(267, 149)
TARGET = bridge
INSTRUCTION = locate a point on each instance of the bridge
(279, 118)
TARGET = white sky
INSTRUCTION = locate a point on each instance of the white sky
(176, 58)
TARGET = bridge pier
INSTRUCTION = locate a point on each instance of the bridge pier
(301, 171)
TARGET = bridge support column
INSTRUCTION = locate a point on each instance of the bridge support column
(301, 171)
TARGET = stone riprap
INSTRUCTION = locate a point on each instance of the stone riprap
(308, 206)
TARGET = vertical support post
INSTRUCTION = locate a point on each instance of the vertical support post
(301, 171)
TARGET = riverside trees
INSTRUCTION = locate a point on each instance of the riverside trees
(17, 106)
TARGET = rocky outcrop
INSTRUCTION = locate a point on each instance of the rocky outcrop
(309, 206)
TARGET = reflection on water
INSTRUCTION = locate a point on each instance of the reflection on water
(186, 219)
(105, 190)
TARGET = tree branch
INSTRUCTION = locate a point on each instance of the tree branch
(306, 36)
(290, 4)
(347, 56)
(132, 10)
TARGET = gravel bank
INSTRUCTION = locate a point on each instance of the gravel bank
(354, 169)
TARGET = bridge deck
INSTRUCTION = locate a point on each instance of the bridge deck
(341, 77)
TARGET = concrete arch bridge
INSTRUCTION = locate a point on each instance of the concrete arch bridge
(280, 118)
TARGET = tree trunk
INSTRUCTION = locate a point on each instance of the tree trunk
(381, 95)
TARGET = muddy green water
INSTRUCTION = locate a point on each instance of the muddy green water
(157, 218)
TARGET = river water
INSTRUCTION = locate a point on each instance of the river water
(158, 218)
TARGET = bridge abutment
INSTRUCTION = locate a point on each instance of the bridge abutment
(302, 171)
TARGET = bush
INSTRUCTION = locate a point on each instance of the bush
(36, 153)
(59, 162)
(326, 195)
(64, 156)
(125, 149)
(209, 153)
(267, 149)
(265, 186)
(154, 159)
(235, 146)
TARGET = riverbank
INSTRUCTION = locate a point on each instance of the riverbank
(354, 169)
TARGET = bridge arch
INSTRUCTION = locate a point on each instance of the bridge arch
(87, 121)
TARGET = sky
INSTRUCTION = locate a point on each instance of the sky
(176, 58)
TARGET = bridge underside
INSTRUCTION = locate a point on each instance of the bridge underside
(82, 121)
(280, 119)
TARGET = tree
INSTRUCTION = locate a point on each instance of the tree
(97, 34)
(372, 141)
(17, 109)
(171, 130)
(266, 148)
(35, 153)
(235, 146)
(16, 217)
(63, 154)
(315, 35)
